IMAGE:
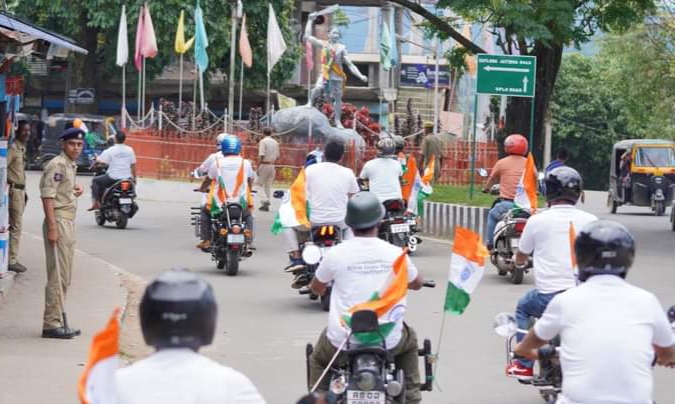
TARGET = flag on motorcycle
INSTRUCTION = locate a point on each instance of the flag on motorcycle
(293, 210)
(218, 191)
(573, 238)
(422, 188)
(467, 265)
(383, 301)
(97, 383)
(526, 191)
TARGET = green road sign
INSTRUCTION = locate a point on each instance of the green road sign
(506, 75)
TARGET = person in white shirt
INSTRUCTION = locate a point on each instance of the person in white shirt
(205, 216)
(547, 236)
(357, 268)
(384, 172)
(610, 330)
(178, 316)
(121, 162)
(329, 186)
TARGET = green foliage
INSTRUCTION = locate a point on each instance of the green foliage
(69, 17)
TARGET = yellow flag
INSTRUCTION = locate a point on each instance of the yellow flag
(286, 102)
(180, 45)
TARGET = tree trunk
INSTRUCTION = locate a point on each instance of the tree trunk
(83, 72)
(518, 118)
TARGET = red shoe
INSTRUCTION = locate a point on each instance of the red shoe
(515, 369)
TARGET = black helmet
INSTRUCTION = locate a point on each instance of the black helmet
(364, 211)
(313, 157)
(563, 183)
(604, 247)
(178, 310)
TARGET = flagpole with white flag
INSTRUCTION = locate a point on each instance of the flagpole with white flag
(122, 59)
(138, 58)
(276, 46)
(246, 59)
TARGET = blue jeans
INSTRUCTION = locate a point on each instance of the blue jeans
(532, 304)
(493, 217)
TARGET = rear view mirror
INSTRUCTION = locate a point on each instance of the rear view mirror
(541, 176)
(279, 194)
(482, 172)
(505, 325)
(671, 314)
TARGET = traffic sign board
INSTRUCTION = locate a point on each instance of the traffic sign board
(506, 75)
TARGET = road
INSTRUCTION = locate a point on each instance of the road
(263, 324)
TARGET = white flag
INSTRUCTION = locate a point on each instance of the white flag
(122, 40)
(276, 46)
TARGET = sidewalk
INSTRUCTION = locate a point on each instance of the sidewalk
(37, 370)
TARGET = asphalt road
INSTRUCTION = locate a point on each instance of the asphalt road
(264, 325)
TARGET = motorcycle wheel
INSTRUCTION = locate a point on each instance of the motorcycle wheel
(672, 218)
(325, 299)
(495, 261)
(659, 208)
(517, 275)
(100, 219)
(232, 266)
(612, 205)
(121, 221)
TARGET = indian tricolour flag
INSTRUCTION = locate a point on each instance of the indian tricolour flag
(526, 191)
(293, 211)
(218, 195)
(467, 265)
(422, 188)
(572, 234)
(383, 301)
(97, 383)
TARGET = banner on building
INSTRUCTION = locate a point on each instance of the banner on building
(423, 75)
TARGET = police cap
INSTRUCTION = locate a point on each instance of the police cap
(72, 133)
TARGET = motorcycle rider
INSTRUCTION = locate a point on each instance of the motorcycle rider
(384, 173)
(357, 268)
(508, 172)
(178, 315)
(545, 236)
(237, 177)
(610, 329)
(121, 162)
(205, 215)
(329, 186)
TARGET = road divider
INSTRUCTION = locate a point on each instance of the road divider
(441, 219)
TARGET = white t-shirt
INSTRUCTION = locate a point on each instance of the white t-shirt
(607, 328)
(203, 169)
(228, 168)
(384, 177)
(119, 159)
(358, 268)
(181, 376)
(547, 234)
(328, 186)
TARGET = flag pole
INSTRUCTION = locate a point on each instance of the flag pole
(201, 91)
(124, 94)
(194, 100)
(241, 90)
(269, 118)
(143, 94)
(180, 86)
(138, 103)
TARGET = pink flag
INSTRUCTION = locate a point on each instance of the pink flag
(149, 44)
(244, 45)
(138, 56)
(309, 54)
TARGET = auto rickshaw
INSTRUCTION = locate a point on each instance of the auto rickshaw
(103, 127)
(642, 173)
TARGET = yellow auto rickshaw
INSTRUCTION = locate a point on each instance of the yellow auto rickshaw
(642, 173)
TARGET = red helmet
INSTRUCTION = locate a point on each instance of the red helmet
(515, 144)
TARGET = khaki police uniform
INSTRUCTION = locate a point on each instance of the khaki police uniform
(268, 151)
(16, 177)
(58, 182)
(433, 145)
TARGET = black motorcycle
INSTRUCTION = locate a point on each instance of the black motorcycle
(118, 204)
(230, 238)
(321, 238)
(505, 241)
(369, 375)
(396, 227)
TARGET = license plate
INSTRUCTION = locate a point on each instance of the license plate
(235, 238)
(125, 201)
(515, 242)
(400, 228)
(412, 222)
(365, 397)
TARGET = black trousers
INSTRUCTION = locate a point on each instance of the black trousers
(99, 184)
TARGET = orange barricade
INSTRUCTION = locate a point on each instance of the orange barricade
(170, 155)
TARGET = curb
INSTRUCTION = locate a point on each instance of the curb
(440, 219)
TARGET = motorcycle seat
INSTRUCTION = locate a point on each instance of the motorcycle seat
(115, 185)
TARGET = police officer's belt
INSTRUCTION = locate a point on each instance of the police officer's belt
(17, 186)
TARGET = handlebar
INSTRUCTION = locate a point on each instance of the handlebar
(429, 284)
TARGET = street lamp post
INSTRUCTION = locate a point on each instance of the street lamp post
(236, 9)
(435, 53)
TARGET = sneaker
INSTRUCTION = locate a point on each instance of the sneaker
(16, 267)
(295, 265)
(265, 207)
(517, 370)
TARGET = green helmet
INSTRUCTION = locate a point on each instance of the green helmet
(364, 211)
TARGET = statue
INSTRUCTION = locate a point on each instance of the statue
(333, 77)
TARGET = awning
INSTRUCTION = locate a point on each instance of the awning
(15, 24)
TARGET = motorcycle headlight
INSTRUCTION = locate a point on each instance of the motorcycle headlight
(366, 381)
(311, 254)
(338, 385)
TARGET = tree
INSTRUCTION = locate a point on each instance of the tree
(93, 24)
(540, 28)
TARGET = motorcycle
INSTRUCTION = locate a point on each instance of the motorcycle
(399, 227)
(369, 375)
(118, 204)
(230, 238)
(548, 374)
(321, 238)
(659, 185)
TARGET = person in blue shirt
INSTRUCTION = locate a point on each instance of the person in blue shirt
(560, 160)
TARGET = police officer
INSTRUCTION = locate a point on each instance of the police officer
(16, 178)
(59, 194)
(178, 316)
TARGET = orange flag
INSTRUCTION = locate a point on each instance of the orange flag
(97, 383)
(573, 238)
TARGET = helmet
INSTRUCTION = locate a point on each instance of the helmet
(364, 211)
(313, 157)
(604, 247)
(400, 142)
(386, 146)
(178, 310)
(220, 138)
(230, 145)
(563, 183)
(515, 144)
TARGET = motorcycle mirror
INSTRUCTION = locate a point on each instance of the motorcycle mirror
(482, 172)
(541, 176)
(505, 325)
(671, 314)
(279, 194)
